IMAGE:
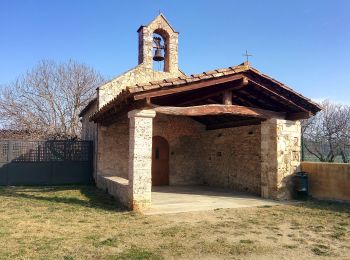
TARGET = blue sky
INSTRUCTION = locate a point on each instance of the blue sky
(304, 44)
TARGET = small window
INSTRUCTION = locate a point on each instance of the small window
(157, 153)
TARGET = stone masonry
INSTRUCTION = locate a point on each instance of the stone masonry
(144, 72)
(140, 158)
(258, 159)
(113, 168)
(280, 157)
(230, 158)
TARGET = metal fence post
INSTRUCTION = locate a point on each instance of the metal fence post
(10, 151)
(39, 146)
(302, 149)
(9, 159)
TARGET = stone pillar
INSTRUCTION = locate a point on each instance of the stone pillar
(280, 157)
(140, 158)
(145, 47)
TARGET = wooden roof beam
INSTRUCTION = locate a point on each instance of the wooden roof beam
(298, 116)
(212, 110)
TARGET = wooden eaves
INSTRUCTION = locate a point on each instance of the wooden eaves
(255, 96)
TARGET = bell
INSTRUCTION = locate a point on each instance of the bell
(158, 55)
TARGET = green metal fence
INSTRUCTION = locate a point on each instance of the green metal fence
(321, 151)
(45, 162)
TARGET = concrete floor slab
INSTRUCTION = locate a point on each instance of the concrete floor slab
(176, 199)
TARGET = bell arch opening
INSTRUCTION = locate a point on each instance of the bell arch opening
(160, 50)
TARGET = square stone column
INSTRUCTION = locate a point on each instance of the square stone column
(280, 157)
(140, 158)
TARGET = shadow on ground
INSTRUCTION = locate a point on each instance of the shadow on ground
(95, 198)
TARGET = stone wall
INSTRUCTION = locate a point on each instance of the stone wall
(113, 149)
(88, 129)
(227, 158)
(137, 75)
(230, 158)
(115, 186)
(183, 135)
(280, 157)
(258, 159)
(328, 181)
(89, 133)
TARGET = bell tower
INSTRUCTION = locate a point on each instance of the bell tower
(158, 42)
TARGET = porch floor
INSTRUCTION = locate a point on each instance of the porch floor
(176, 199)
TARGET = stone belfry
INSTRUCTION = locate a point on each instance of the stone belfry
(159, 26)
(144, 71)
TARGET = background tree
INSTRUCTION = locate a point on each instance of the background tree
(46, 101)
(327, 135)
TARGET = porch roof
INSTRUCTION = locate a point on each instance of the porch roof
(248, 88)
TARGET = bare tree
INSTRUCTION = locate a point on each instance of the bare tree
(327, 135)
(46, 101)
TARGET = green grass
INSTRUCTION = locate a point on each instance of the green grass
(82, 222)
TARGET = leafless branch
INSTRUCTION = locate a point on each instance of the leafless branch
(46, 101)
(327, 135)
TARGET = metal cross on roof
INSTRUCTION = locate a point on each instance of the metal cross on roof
(247, 55)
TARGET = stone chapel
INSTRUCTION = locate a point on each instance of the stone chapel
(235, 127)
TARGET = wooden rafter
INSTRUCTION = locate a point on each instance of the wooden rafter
(278, 98)
(257, 102)
(192, 97)
(243, 101)
(246, 122)
(188, 87)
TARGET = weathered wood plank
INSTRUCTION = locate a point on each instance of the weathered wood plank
(206, 110)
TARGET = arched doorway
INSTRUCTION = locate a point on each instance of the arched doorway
(160, 161)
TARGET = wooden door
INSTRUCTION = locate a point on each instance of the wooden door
(160, 161)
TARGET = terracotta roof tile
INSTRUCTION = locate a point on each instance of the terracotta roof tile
(229, 72)
(188, 80)
(197, 75)
(176, 82)
(179, 82)
(156, 82)
(218, 74)
(170, 80)
(206, 76)
(166, 84)
(135, 89)
(210, 72)
(150, 87)
(223, 70)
